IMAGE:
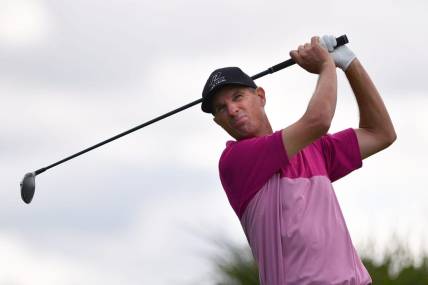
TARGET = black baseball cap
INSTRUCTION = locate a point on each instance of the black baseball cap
(221, 77)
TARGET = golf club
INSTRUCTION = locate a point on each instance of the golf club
(28, 183)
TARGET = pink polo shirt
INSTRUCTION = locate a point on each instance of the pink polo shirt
(289, 211)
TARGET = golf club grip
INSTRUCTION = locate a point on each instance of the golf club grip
(342, 40)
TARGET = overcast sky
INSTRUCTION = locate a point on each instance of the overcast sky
(146, 209)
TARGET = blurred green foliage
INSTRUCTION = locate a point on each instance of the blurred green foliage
(395, 266)
(236, 266)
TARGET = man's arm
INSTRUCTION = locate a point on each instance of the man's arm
(376, 130)
(318, 116)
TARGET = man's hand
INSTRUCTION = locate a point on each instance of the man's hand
(313, 57)
(343, 56)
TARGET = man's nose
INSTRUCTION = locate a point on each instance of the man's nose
(232, 109)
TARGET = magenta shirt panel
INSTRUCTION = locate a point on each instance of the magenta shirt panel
(245, 166)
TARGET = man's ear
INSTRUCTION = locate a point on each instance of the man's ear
(261, 93)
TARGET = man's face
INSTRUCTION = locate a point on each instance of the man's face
(240, 111)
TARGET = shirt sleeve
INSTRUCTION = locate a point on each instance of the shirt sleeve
(245, 166)
(341, 153)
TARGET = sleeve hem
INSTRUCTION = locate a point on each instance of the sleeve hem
(284, 155)
(357, 161)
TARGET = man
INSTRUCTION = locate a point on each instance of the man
(279, 183)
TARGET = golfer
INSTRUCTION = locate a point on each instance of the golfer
(279, 183)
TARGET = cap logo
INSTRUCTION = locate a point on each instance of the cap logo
(216, 79)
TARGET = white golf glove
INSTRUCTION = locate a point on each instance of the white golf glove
(342, 55)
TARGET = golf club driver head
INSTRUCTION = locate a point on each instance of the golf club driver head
(28, 186)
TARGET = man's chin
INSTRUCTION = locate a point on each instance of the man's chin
(243, 136)
(241, 133)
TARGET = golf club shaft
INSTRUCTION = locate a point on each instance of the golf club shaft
(121, 135)
(340, 41)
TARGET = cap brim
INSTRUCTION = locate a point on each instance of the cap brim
(206, 102)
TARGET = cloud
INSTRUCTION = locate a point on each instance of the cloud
(23, 23)
(162, 231)
(103, 46)
(22, 264)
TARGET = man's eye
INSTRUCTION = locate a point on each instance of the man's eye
(219, 109)
(237, 97)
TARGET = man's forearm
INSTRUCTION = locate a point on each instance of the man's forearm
(316, 121)
(374, 116)
(322, 105)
